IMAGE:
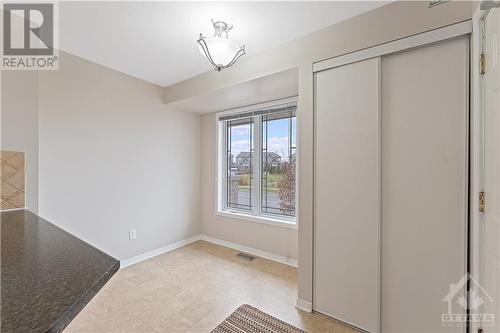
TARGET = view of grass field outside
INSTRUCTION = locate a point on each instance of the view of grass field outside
(278, 158)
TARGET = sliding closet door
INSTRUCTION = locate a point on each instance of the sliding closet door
(347, 193)
(424, 184)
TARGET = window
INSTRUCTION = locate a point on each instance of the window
(257, 166)
(239, 166)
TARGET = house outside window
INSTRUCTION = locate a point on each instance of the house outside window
(257, 163)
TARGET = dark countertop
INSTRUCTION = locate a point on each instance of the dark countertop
(47, 275)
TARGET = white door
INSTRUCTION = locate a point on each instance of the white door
(424, 184)
(347, 193)
(391, 188)
(492, 171)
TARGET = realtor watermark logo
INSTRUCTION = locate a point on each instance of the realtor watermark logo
(465, 295)
(29, 36)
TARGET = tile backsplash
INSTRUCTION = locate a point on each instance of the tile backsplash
(12, 188)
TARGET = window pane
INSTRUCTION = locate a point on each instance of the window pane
(278, 164)
(239, 171)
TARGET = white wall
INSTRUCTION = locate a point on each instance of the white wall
(114, 158)
(19, 124)
(270, 238)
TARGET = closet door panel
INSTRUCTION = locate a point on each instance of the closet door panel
(424, 184)
(347, 193)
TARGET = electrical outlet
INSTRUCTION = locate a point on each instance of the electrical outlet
(132, 234)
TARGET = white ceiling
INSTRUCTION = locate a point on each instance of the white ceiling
(156, 41)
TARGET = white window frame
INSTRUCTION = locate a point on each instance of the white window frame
(256, 215)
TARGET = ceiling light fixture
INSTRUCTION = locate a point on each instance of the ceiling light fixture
(221, 51)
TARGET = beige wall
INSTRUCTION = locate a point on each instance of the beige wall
(396, 20)
(276, 240)
(19, 124)
(113, 158)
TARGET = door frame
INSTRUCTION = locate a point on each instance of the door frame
(477, 158)
(407, 43)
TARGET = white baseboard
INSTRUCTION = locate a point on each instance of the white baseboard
(250, 250)
(303, 305)
(164, 249)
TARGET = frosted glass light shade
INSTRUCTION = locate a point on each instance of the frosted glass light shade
(219, 50)
(222, 50)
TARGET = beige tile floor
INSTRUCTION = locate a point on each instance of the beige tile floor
(193, 289)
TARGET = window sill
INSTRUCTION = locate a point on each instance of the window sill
(289, 224)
